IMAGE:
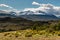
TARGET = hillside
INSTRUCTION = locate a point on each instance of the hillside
(21, 23)
(23, 29)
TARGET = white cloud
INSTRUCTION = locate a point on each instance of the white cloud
(35, 3)
(10, 8)
(42, 5)
(4, 5)
(47, 8)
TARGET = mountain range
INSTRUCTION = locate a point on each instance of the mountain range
(29, 15)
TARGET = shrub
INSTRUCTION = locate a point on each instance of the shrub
(58, 34)
(17, 33)
(6, 34)
(28, 34)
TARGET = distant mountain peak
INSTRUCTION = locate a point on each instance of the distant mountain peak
(29, 15)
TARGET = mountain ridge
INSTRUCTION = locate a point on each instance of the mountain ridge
(29, 15)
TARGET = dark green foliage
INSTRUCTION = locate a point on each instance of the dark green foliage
(50, 26)
(3, 30)
(10, 30)
(58, 34)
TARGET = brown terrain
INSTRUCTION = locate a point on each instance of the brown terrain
(18, 29)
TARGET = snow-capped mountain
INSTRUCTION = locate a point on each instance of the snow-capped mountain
(29, 15)
(37, 16)
(7, 14)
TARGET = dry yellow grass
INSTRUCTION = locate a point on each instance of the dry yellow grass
(12, 36)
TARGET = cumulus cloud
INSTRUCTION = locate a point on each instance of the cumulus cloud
(42, 7)
(47, 8)
(35, 3)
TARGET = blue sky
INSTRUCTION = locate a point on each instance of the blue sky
(21, 4)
